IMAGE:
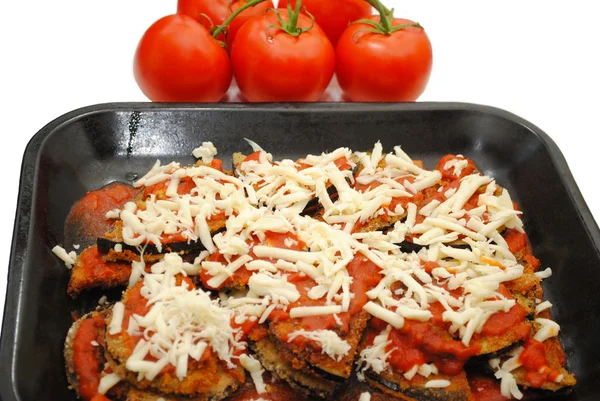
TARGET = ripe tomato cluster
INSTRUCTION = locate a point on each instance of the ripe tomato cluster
(285, 54)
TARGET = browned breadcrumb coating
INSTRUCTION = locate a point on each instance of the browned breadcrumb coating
(397, 385)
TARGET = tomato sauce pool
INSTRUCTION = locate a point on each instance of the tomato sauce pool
(87, 219)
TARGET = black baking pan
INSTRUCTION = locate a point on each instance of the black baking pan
(88, 148)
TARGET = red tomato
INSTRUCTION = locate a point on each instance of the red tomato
(214, 12)
(209, 12)
(271, 65)
(178, 60)
(373, 67)
(333, 16)
(236, 24)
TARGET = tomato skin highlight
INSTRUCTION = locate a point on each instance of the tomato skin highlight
(272, 66)
(374, 67)
(333, 16)
(177, 60)
(208, 12)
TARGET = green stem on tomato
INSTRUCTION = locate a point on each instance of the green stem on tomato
(291, 26)
(221, 28)
(293, 16)
(386, 24)
(386, 16)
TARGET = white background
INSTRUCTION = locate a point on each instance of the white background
(538, 59)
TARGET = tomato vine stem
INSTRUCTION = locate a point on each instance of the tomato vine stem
(386, 23)
(384, 13)
(221, 28)
(291, 27)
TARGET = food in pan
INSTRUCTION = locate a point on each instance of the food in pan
(344, 275)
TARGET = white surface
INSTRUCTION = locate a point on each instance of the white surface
(538, 59)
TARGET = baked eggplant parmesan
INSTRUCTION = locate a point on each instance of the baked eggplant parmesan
(346, 275)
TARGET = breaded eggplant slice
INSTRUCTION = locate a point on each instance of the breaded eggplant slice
(69, 352)
(415, 389)
(276, 390)
(130, 254)
(136, 394)
(380, 223)
(354, 388)
(207, 379)
(108, 243)
(526, 289)
(170, 243)
(555, 355)
(117, 392)
(280, 364)
(91, 271)
(495, 343)
(557, 360)
(311, 359)
(385, 221)
(87, 220)
(394, 382)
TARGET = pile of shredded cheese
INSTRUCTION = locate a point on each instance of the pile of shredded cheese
(266, 196)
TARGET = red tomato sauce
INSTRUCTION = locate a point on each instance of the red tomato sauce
(245, 328)
(533, 358)
(365, 275)
(404, 201)
(110, 197)
(186, 185)
(253, 157)
(417, 343)
(448, 174)
(217, 164)
(95, 268)
(135, 304)
(500, 322)
(485, 389)
(87, 218)
(86, 364)
(437, 310)
(533, 261)
(242, 275)
(516, 241)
